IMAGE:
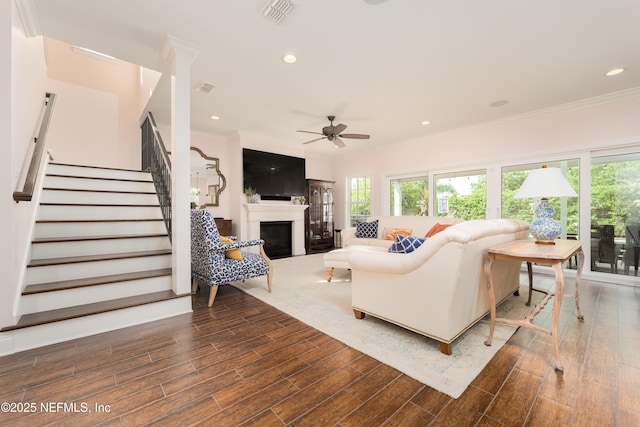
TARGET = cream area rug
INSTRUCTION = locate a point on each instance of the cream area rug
(300, 289)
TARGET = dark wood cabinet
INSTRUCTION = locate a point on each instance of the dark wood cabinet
(319, 216)
(224, 226)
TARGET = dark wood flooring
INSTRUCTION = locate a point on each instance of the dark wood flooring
(243, 362)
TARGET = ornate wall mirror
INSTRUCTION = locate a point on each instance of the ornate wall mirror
(207, 182)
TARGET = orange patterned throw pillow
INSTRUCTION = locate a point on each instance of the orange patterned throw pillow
(391, 233)
(436, 229)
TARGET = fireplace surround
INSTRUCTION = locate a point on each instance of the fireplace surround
(277, 212)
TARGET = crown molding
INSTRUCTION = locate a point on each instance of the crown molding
(172, 45)
(575, 105)
(27, 10)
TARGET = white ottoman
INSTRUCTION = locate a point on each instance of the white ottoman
(337, 258)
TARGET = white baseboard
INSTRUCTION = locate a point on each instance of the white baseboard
(6, 344)
(53, 333)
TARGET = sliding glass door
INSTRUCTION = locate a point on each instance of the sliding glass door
(615, 214)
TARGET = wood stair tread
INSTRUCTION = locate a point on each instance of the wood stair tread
(145, 205)
(34, 319)
(100, 178)
(85, 190)
(91, 238)
(94, 281)
(45, 221)
(102, 257)
(97, 167)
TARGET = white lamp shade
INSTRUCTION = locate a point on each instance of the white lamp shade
(545, 182)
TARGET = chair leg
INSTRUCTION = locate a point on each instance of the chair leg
(270, 274)
(212, 294)
(194, 287)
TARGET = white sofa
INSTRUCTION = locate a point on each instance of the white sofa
(419, 226)
(438, 290)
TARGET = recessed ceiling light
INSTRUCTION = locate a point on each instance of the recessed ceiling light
(290, 58)
(214, 118)
(424, 123)
(499, 103)
(614, 72)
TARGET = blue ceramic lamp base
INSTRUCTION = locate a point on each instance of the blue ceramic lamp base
(544, 228)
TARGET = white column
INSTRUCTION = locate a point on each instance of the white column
(180, 55)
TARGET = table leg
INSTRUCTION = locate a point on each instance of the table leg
(530, 272)
(492, 298)
(578, 277)
(557, 303)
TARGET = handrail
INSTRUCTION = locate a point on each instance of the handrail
(156, 161)
(34, 166)
(158, 137)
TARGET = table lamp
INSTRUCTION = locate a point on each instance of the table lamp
(544, 183)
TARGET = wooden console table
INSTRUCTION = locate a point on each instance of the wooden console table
(530, 252)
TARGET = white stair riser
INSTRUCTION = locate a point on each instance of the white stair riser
(54, 229)
(97, 184)
(82, 270)
(91, 197)
(96, 247)
(97, 172)
(51, 333)
(35, 303)
(66, 212)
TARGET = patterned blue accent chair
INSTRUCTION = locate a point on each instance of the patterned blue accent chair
(210, 265)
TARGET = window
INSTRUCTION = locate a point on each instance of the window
(360, 199)
(410, 196)
(615, 213)
(462, 194)
(566, 207)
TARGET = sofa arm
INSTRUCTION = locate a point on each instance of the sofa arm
(347, 234)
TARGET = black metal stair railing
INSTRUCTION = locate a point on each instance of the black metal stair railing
(156, 161)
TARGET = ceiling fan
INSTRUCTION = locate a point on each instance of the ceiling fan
(334, 132)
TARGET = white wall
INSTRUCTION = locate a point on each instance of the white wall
(608, 121)
(96, 120)
(22, 83)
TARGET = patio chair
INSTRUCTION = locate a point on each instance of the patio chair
(216, 263)
(608, 252)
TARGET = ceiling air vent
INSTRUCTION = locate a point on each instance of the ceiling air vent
(205, 87)
(277, 10)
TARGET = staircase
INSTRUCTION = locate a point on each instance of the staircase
(100, 257)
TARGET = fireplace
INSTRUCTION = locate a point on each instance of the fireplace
(259, 213)
(277, 238)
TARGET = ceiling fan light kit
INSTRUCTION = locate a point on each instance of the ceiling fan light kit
(334, 132)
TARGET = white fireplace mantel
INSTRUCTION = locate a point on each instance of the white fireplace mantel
(267, 212)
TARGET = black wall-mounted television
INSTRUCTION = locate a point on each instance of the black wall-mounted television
(274, 176)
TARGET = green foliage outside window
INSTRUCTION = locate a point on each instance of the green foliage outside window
(615, 194)
(414, 195)
(360, 207)
(467, 206)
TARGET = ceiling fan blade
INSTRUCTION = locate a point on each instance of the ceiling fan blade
(338, 143)
(354, 136)
(308, 131)
(313, 140)
(337, 129)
